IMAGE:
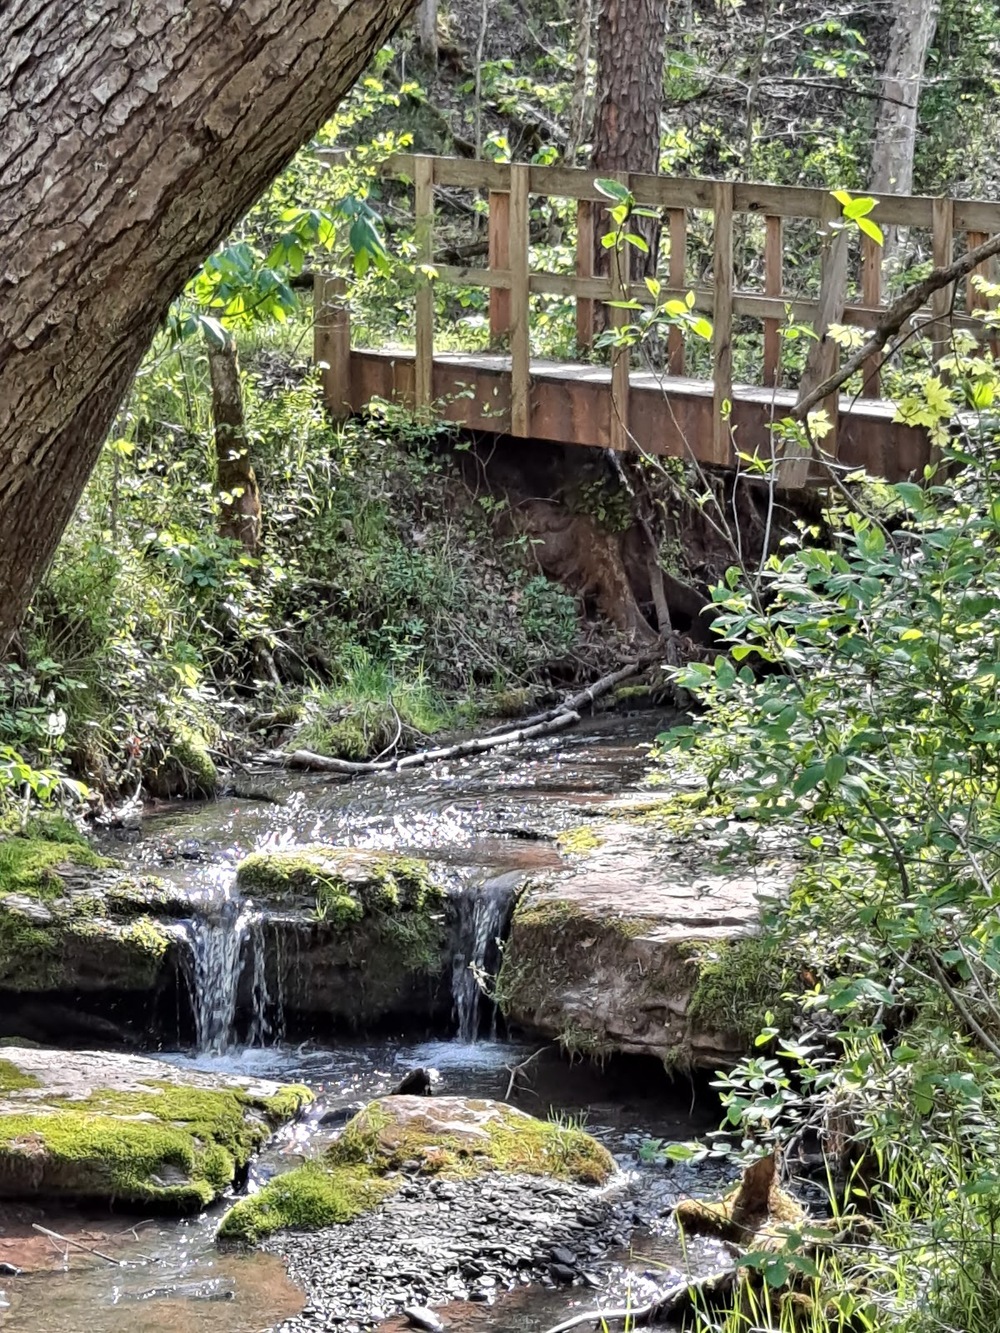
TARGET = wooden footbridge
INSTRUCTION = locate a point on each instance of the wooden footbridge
(736, 248)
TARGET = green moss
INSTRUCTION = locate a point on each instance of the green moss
(13, 1080)
(578, 841)
(362, 1167)
(512, 1143)
(184, 766)
(306, 1199)
(30, 865)
(739, 982)
(165, 1144)
(388, 900)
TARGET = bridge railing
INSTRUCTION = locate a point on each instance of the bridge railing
(953, 225)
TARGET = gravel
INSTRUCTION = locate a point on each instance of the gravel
(437, 1241)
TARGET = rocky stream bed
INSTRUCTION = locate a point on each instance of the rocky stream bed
(270, 934)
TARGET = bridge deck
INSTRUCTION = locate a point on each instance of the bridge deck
(670, 416)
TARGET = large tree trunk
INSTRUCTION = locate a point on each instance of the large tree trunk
(235, 480)
(896, 129)
(631, 42)
(135, 133)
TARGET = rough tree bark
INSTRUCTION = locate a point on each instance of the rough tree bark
(631, 42)
(427, 25)
(896, 128)
(135, 135)
(236, 482)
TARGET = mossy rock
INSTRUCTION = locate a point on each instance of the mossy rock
(181, 766)
(91, 1126)
(385, 908)
(441, 1136)
(70, 921)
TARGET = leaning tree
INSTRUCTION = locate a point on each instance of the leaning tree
(135, 134)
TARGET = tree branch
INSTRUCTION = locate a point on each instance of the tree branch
(892, 320)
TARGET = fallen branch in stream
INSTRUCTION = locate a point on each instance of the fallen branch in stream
(556, 719)
(66, 1240)
(679, 1297)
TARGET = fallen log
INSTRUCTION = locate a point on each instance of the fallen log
(681, 1296)
(553, 720)
(321, 763)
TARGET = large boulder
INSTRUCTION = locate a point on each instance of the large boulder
(74, 926)
(367, 932)
(647, 940)
(398, 1137)
(97, 1126)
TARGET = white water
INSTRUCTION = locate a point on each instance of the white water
(226, 940)
(483, 912)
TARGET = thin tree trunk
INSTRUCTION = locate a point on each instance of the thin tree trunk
(578, 127)
(427, 20)
(236, 482)
(896, 127)
(134, 136)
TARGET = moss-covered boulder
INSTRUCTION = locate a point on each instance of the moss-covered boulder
(368, 932)
(646, 941)
(84, 1125)
(441, 1136)
(71, 922)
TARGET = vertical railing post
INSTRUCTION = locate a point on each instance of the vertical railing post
(332, 343)
(722, 330)
(423, 183)
(774, 286)
(823, 355)
(943, 220)
(520, 347)
(585, 269)
(871, 296)
(499, 261)
(677, 223)
(618, 280)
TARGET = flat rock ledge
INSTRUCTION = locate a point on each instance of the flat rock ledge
(120, 1129)
(647, 941)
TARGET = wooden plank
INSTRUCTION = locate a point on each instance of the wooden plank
(722, 318)
(677, 230)
(943, 299)
(774, 285)
(977, 215)
(974, 299)
(332, 343)
(423, 210)
(584, 270)
(871, 295)
(499, 259)
(458, 275)
(620, 438)
(520, 346)
(822, 359)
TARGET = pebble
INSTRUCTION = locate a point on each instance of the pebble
(418, 1316)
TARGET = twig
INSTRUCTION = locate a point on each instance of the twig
(516, 1069)
(65, 1240)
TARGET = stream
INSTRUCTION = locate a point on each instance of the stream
(483, 819)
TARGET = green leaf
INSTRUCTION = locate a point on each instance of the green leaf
(871, 229)
(612, 189)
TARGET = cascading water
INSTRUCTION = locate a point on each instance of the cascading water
(227, 942)
(483, 915)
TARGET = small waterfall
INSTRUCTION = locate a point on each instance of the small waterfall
(228, 961)
(483, 914)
